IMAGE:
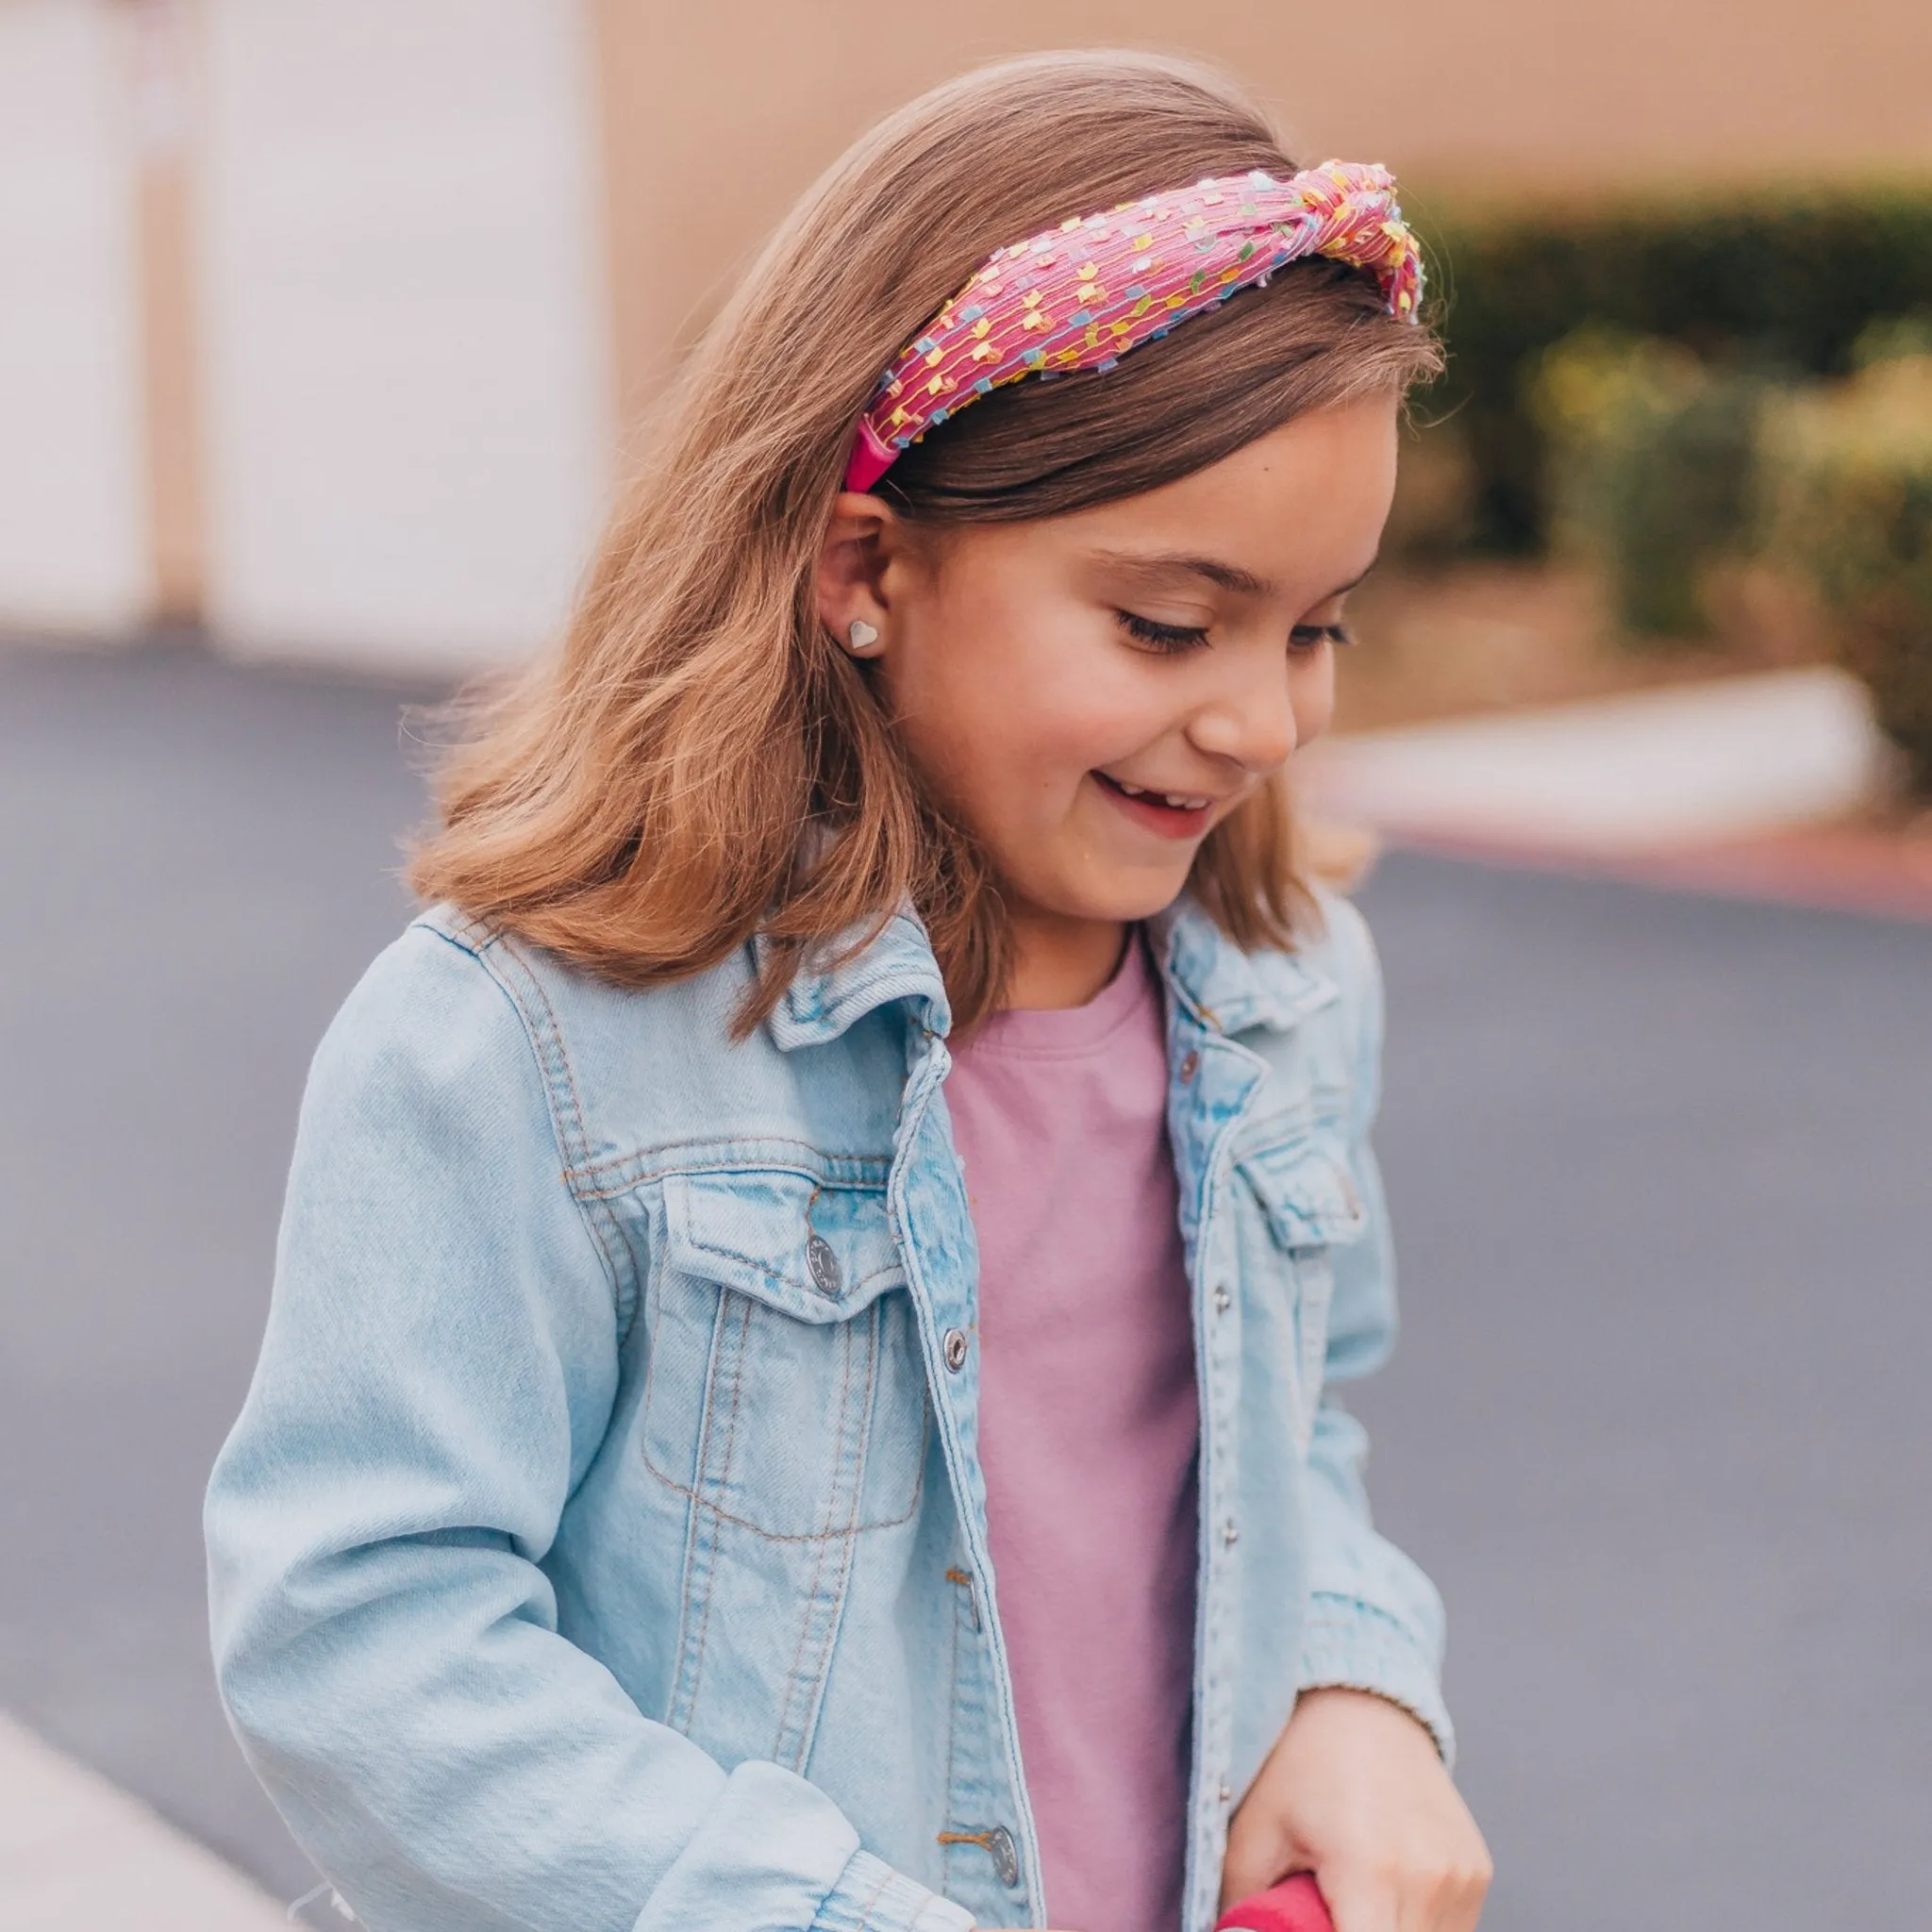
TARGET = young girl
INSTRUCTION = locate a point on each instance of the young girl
(794, 1397)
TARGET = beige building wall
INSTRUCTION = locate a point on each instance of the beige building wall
(157, 104)
(716, 116)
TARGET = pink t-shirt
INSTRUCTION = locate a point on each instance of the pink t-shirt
(1088, 1429)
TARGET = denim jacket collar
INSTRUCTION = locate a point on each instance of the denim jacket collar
(1228, 988)
(823, 1000)
(1224, 987)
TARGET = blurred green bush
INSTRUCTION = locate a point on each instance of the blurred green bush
(1649, 461)
(1845, 489)
(1787, 280)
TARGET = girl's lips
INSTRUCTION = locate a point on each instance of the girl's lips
(1148, 810)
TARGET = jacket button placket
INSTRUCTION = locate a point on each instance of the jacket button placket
(981, 1784)
(1222, 1350)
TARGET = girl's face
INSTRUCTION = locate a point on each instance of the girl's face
(1091, 693)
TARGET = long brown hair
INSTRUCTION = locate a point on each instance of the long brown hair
(699, 760)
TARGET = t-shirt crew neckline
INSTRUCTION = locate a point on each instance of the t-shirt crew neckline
(1070, 1032)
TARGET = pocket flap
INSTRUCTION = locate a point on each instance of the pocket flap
(1307, 1194)
(819, 1252)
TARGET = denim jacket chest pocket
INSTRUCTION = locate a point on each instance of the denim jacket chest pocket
(1306, 1208)
(784, 1392)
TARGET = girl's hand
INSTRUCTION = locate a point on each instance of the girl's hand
(1355, 1792)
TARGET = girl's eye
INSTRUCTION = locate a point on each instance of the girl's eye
(1168, 640)
(1308, 637)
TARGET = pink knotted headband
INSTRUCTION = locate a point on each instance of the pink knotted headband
(1081, 296)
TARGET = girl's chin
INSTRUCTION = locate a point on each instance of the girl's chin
(1124, 896)
(1099, 867)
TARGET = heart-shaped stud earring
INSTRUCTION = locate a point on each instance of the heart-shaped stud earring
(861, 636)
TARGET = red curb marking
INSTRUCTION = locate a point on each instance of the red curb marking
(1852, 869)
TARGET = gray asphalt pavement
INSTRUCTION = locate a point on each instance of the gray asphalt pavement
(1662, 1175)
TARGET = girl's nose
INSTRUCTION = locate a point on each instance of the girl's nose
(1252, 725)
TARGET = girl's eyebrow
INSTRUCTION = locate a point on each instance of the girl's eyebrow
(1166, 565)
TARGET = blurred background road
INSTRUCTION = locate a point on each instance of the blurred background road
(1658, 1426)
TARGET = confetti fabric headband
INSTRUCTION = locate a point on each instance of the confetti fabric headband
(1081, 296)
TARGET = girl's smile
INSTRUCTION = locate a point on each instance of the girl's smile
(1168, 814)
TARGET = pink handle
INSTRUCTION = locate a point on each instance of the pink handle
(1293, 1906)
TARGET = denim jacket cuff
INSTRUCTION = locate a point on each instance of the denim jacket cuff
(1351, 1645)
(870, 1897)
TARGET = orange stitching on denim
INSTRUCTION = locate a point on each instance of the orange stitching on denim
(953, 1713)
(773, 1536)
(571, 1145)
(697, 1671)
(685, 1705)
(818, 1565)
(766, 1272)
(555, 1034)
(464, 929)
(692, 1494)
(655, 1317)
(580, 1135)
(846, 1415)
(878, 1891)
(683, 1708)
(867, 1165)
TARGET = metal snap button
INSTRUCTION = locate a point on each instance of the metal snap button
(1227, 1792)
(955, 1347)
(823, 1264)
(1223, 1299)
(1005, 1855)
(1191, 1065)
(1230, 1534)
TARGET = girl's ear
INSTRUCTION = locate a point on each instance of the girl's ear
(860, 542)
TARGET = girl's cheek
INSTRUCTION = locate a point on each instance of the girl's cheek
(1111, 710)
(1312, 698)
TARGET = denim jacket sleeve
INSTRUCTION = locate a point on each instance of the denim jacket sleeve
(1373, 1621)
(439, 1369)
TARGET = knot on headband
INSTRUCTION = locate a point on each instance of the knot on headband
(1081, 296)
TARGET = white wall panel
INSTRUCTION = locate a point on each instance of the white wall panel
(405, 332)
(74, 544)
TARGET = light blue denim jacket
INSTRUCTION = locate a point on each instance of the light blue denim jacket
(603, 1545)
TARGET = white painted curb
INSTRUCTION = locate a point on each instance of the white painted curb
(1644, 773)
(78, 1855)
